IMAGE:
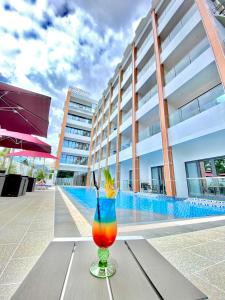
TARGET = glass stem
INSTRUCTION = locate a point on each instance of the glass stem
(103, 254)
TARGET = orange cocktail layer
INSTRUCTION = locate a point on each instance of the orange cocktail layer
(104, 234)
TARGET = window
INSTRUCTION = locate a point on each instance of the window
(78, 118)
(82, 132)
(75, 145)
(72, 159)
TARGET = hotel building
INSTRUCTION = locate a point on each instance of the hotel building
(75, 138)
(160, 125)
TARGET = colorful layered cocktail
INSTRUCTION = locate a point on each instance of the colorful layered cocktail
(104, 229)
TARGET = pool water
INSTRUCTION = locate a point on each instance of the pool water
(133, 208)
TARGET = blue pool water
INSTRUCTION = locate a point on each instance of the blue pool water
(136, 208)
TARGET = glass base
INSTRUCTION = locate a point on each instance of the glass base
(103, 272)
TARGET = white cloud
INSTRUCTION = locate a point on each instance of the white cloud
(45, 52)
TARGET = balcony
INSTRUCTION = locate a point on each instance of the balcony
(168, 14)
(205, 119)
(127, 74)
(112, 160)
(114, 113)
(80, 124)
(149, 131)
(126, 152)
(81, 108)
(187, 60)
(115, 93)
(146, 72)
(189, 77)
(147, 104)
(127, 96)
(211, 98)
(144, 48)
(150, 144)
(77, 137)
(77, 152)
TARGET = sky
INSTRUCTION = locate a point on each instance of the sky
(48, 45)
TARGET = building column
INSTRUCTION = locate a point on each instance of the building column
(163, 111)
(88, 182)
(213, 36)
(109, 127)
(66, 110)
(119, 121)
(135, 158)
(101, 151)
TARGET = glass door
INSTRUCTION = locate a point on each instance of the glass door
(158, 183)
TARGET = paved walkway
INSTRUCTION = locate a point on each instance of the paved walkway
(26, 228)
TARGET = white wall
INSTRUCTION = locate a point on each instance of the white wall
(209, 146)
(146, 162)
(125, 167)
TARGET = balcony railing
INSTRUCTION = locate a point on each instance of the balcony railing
(179, 26)
(148, 96)
(204, 102)
(127, 91)
(128, 70)
(141, 49)
(125, 146)
(127, 115)
(79, 119)
(187, 60)
(161, 17)
(146, 68)
(81, 107)
(149, 131)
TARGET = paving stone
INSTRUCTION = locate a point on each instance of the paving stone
(214, 250)
(214, 275)
(187, 262)
(17, 269)
(211, 291)
(7, 290)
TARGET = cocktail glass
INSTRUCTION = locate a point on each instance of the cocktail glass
(104, 231)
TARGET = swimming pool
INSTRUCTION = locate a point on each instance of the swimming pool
(133, 208)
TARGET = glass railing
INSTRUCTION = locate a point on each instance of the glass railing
(80, 107)
(142, 48)
(204, 102)
(149, 131)
(127, 115)
(126, 185)
(128, 71)
(113, 128)
(76, 118)
(146, 68)
(81, 132)
(187, 60)
(178, 27)
(128, 90)
(153, 187)
(210, 187)
(113, 151)
(126, 145)
(115, 91)
(148, 96)
(162, 16)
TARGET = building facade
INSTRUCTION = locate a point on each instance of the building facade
(75, 138)
(160, 126)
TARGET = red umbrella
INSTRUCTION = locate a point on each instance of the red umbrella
(23, 111)
(32, 154)
(12, 139)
